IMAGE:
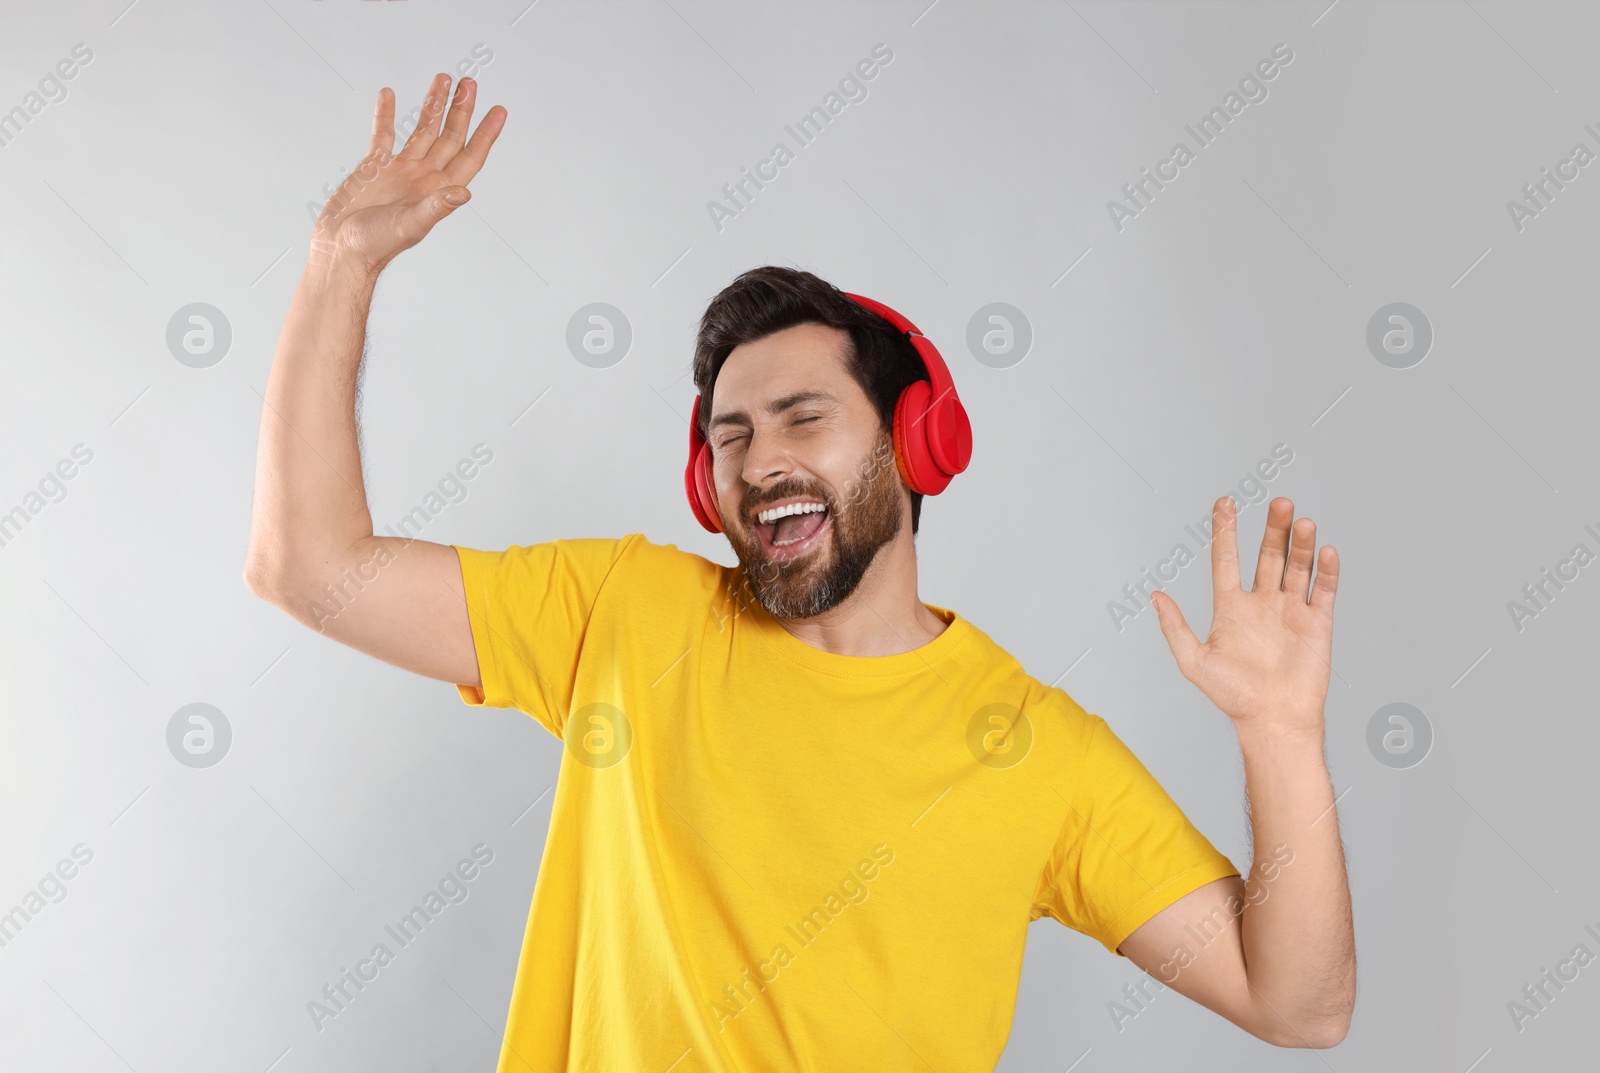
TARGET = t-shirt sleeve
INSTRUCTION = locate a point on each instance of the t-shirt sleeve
(1126, 849)
(530, 607)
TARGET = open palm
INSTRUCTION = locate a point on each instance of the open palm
(391, 201)
(1266, 659)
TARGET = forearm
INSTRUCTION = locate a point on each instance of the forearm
(1296, 928)
(310, 504)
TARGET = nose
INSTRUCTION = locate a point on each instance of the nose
(766, 461)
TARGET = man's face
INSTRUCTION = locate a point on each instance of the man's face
(790, 425)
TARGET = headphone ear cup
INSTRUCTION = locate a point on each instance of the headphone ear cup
(949, 435)
(922, 474)
(697, 483)
(705, 500)
(692, 491)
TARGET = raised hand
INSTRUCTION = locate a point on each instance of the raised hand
(1265, 662)
(391, 201)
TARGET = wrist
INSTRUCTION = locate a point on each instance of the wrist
(330, 266)
(1308, 732)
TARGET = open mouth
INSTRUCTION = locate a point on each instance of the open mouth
(794, 534)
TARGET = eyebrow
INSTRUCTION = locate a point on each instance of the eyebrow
(775, 407)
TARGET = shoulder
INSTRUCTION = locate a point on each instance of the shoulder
(1053, 713)
(1061, 719)
(592, 564)
(666, 569)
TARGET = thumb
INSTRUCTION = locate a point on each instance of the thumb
(413, 221)
(1180, 638)
(444, 202)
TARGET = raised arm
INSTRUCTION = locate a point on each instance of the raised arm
(312, 550)
(1274, 952)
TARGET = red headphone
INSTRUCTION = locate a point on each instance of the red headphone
(932, 436)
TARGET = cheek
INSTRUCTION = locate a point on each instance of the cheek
(724, 478)
(847, 466)
(729, 501)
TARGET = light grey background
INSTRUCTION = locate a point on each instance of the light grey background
(1228, 317)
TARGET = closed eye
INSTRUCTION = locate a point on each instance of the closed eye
(729, 441)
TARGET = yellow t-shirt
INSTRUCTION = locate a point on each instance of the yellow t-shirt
(763, 856)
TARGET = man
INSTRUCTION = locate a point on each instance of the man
(803, 819)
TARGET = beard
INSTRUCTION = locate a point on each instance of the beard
(825, 575)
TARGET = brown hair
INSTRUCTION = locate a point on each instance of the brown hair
(771, 298)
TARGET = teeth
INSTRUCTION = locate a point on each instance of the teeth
(767, 517)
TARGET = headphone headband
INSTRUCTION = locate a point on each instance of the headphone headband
(938, 374)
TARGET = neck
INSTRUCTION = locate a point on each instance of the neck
(883, 617)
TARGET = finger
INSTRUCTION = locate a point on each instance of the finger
(455, 124)
(1327, 582)
(1224, 546)
(465, 164)
(1274, 546)
(1180, 638)
(1302, 549)
(428, 118)
(382, 142)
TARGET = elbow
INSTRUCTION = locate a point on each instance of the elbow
(257, 577)
(1309, 1033)
(1329, 1033)
(1314, 1021)
(266, 577)
(270, 581)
